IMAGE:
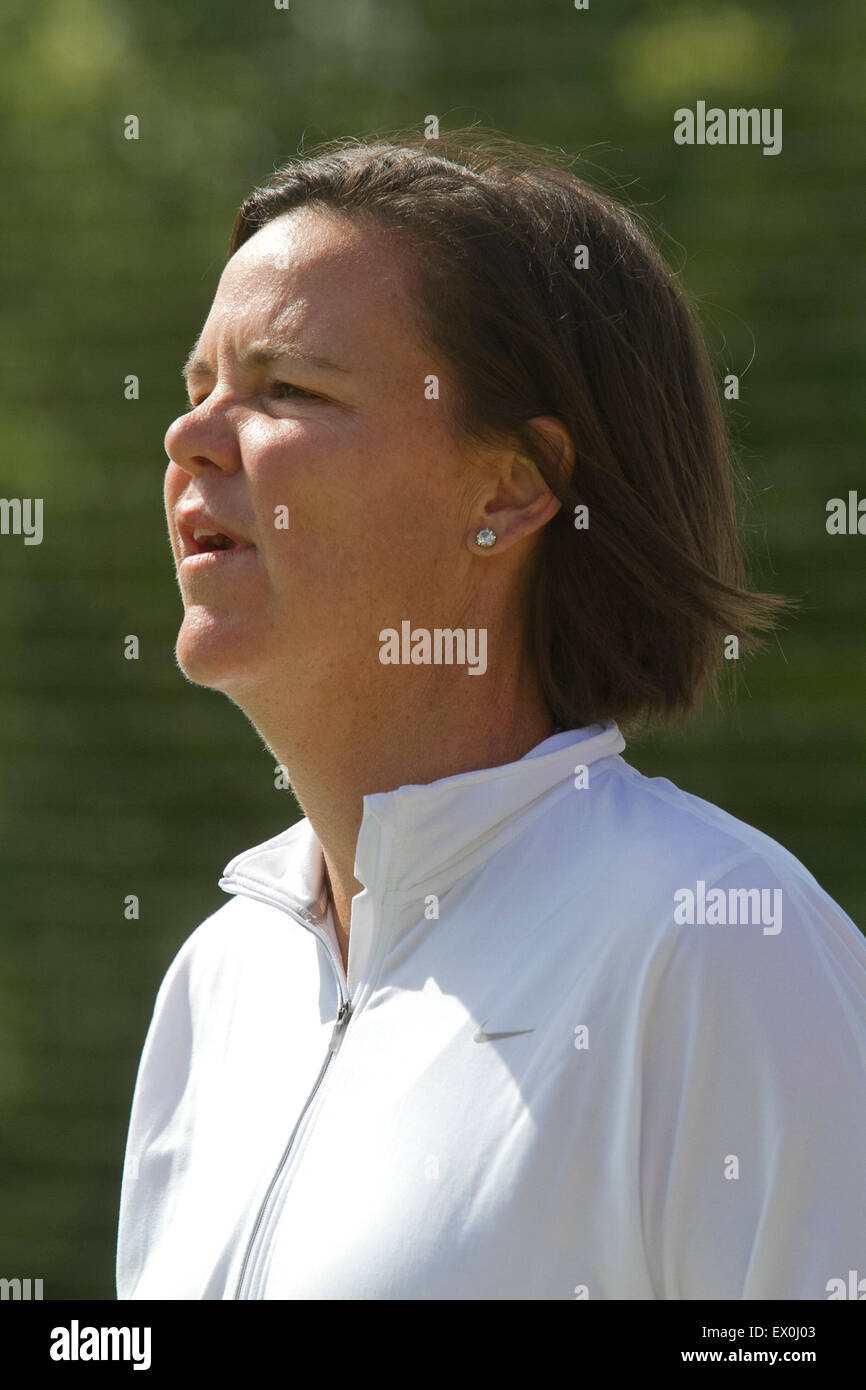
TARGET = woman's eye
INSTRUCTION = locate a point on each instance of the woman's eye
(286, 389)
(283, 389)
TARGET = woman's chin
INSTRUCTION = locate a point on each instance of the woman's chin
(218, 654)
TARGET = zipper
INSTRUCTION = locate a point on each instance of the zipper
(344, 1013)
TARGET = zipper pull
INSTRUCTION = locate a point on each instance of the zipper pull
(340, 1026)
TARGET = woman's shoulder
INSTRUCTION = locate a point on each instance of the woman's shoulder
(665, 835)
(645, 868)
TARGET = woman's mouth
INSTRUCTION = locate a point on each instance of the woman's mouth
(211, 540)
(203, 549)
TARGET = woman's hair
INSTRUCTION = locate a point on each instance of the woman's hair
(629, 612)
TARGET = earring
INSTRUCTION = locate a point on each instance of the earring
(486, 537)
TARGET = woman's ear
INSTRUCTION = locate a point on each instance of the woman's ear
(517, 501)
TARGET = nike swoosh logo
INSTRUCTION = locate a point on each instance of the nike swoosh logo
(481, 1036)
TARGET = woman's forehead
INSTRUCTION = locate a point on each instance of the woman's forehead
(319, 245)
(319, 277)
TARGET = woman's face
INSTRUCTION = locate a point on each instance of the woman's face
(314, 442)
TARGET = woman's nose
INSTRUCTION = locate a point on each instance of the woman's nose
(202, 440)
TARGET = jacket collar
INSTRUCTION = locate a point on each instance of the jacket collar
(423, 836)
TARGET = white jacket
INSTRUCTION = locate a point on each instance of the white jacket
(540, 1079)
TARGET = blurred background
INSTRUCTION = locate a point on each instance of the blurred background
(120, 778)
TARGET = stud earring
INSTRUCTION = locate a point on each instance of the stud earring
(486, 537)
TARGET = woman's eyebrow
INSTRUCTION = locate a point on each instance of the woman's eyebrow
(261, 354)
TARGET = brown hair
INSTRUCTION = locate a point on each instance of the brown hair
(627, 617)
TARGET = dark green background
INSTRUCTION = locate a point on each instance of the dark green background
(118, 777)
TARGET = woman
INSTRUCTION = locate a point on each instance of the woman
(499, 1017)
